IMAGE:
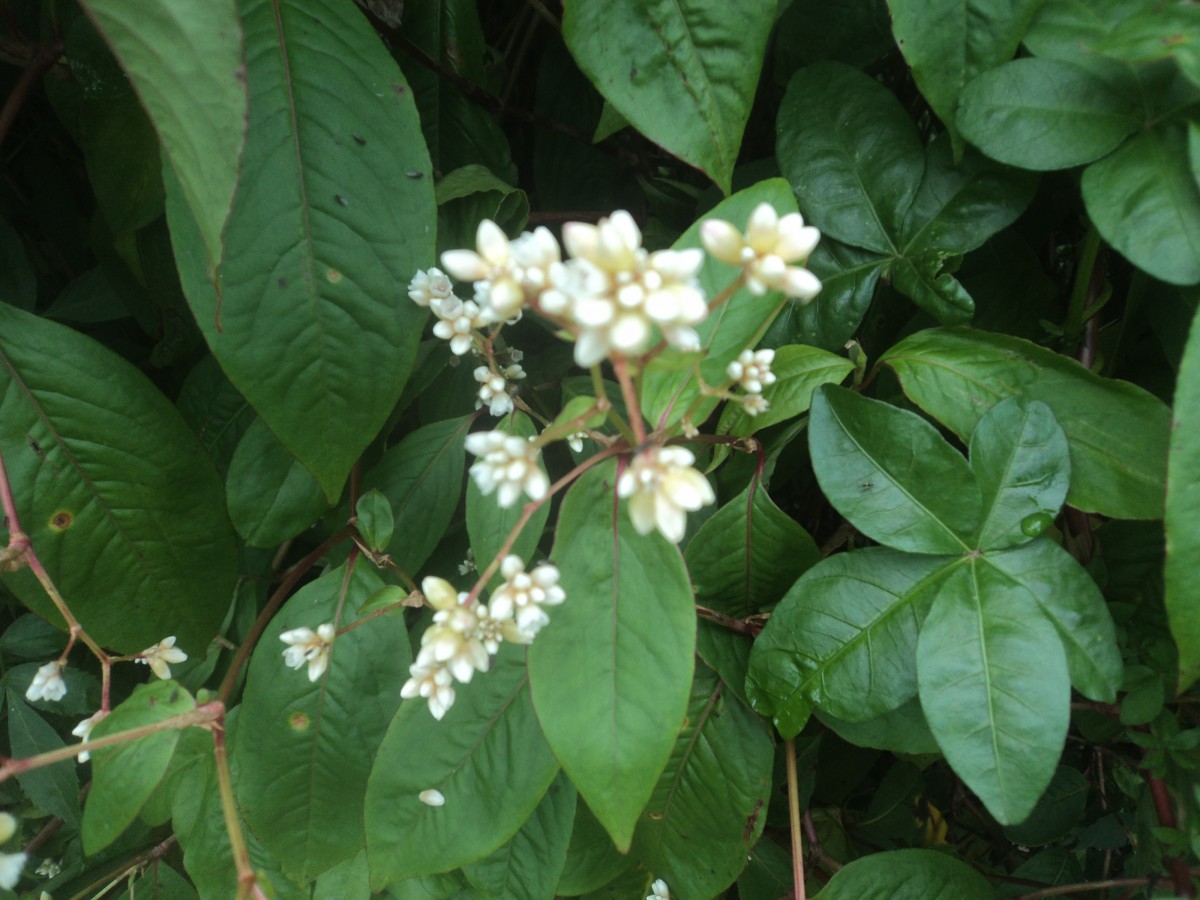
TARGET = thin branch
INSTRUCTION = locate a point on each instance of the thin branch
(42, 61)
(794, 817)
(1063, 890)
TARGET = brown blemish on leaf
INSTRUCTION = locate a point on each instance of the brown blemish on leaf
(299, 721)
(61, 520)
(333, 276)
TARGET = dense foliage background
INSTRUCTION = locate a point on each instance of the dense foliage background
(936, 636)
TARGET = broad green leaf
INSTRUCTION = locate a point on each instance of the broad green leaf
(1182, 571)
(592, 860)
(709, 806)
(54, 789)
(303, 778)
(798, 370)
(948, 42)
(727, 651)
(1117, 432)
(116, 494)
(1145, 201)
(682, 74)
(374, 520)
(844, 638)
(1045, 114)
(421, 477)
(994, 688)
(1057, 812)
(215, 411)
(489, 526)
(612, 671)
(669, 387)
(1067, 29)
(488, 759)
(891, 474)
(903, 730)
(1157, 31)
(195, 94)
(271, 496)
(350, 880)
(468, 195)
(938, 293)
(1020, 457)
(746, 556)
(307, 319)
(531, 862)
(851, 31)
(124, 776)
(907, 875)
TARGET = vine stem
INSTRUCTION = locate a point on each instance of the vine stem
(632, 407)
(1063, 890)
(794, 818)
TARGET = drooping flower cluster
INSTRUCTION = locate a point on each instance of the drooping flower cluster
(160, 656)
(495, 387)
(662, 488)
(11, 864)
(47, 683)
(767, 249)
(751, 371)
(308, 646)
(83, 731)
(659, 891)
(508, 465)
(465, 633)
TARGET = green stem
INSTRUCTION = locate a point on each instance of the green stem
(794, 818)
(247, 881)
(1088, 251)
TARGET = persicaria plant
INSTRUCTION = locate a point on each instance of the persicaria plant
(536, 450)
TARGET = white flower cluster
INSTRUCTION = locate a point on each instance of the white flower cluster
(47, 683)
(751, 371)
(308, 646)
(662, 487)
(83, 731)
(659, 891)
(466, 634)
(160, 656)
(495, 387)
(766, 251)
(11, 864)
(507, 464)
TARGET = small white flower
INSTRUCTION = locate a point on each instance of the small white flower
(457, 321)
(752, 370)
(430, 680)
(432, 797)
(494, 388)
(508, 465)
(453, 641)
(659, 891)
(468, 564)
(662, 487)
(47, 684)
(507, 273)
(159, 657)
(755, 404)
(49, 868)
(11, 865)
(8, 827)
(523, 595)
(575, 441)
(83, 731)
(429, 285)
(308, 646)
(765, 251)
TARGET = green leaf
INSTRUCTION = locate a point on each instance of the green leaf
(468, 195)
(374, 519)
(1145, 201)
(592, 860)
(907, 875)
(114, 491)
(488, 525)
(746, 556)
(1057, 812)
(421, 477)
(1117, 432)
(303, 778)
(940, 295)
(305, 320)
(948, 42)
(1066, 29)
(995, 689)
(890, 473)
(488, 759)
(798, 370)
(612, 671)
(903, 730)
(1182, 570)
(124, 776)
(350, 880)
(1156, 32)
(844, 638)
(1021, 459)
(1045, 114)
(271, 496)
(18, 284)
(532, 861)
(682, 74)
(54, 789)
(709, 806)
(215, 411)
(195, 94)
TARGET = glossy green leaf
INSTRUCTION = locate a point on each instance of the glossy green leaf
(488, 759)
(995, 689)
(1021, 459)
(195, 94)
(592, 860)
(306, 319)
(1182, 571)
(421, 477)
(1157, 31)
(374, 519)
(271, 496)
(746, 556)
(844, 638)
(938, 293)
(709, 806)
(1117, 432)
(114, 491)
(1057, 812)
(612, 671)
(217, 414)
(531, 862)
(907, 875)
(124, 776)
(1067, 29)
(54, 789)
(682, 74)
(350, 880)
(903, 730)
(303, 778)
(798, 370)
(1045, 114)
(1145, 201)
(891, 474)
(726, 651)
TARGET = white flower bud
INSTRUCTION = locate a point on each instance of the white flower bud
(662, 487)
(47, 683)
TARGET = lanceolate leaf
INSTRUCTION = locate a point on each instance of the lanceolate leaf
(709, 806)
(683, 74)
(185, 61)
(995, 689)
(1117, 432)
(488, 759)
(907, 875)
(115, 492)
(54, 789)
(306, 318)
(612, 671)
(303, 777)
